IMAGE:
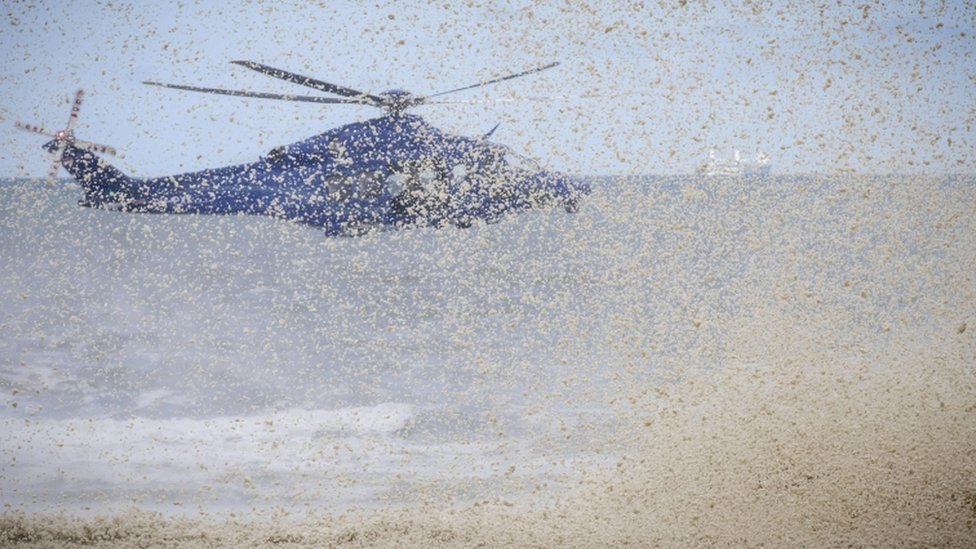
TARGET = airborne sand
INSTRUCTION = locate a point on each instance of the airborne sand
(833, 405)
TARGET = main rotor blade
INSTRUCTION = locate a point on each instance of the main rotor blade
(496, 80)
(260, 95)
(520, 99)
(313, 83)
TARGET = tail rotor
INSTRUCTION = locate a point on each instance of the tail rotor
(65, 138)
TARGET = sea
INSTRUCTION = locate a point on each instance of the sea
(686, 360)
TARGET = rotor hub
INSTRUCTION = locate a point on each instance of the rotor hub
(396, 101)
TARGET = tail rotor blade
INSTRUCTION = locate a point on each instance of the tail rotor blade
(89, 146)
(75, 107)
(52, 173)
(35, 129)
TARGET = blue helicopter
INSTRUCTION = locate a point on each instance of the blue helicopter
(391, 172)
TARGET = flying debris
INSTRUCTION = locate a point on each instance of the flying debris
(391, 172)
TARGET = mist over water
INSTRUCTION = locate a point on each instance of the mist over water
(685, 360)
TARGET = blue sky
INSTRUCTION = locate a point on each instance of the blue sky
(876, 87)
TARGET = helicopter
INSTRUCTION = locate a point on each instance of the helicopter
(395, 171)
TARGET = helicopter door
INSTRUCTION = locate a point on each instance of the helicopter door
(366, 185)
(418, 190)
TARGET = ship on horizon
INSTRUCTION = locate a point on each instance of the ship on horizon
(738, 166)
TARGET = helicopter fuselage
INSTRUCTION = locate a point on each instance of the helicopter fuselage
(394, 171)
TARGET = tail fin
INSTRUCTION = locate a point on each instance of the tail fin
(103, 184)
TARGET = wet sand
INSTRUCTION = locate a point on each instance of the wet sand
(800, 443)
